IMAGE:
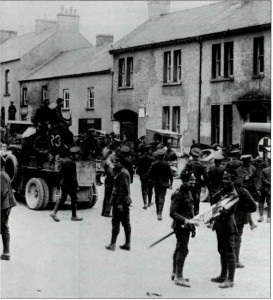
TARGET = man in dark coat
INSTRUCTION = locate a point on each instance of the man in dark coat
(62, 123)
(161, 175)
(182, 211)
(225, 228)
(43, 118)
(144, 164)
(69, 184)
(121, 201)
(170, 154)
(196, 166)
(7, 202)
(125, 151)
(215, 175)
(245, 205)
(12, 111)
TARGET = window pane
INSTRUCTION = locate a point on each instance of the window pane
(121, 71)
(129, 71)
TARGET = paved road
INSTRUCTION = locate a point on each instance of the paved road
(68, 259)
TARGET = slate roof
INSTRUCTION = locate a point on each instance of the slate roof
(74, 62)
(204, 20)
(17, 47)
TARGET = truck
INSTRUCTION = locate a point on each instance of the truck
(39, 181)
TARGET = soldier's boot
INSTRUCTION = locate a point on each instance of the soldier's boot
(174, 266)
(237, 255)
(251, 223)
(127, 245)
(269, 210)
(6, 243)
(53, 215)
(144, 197)
(261, 212)
(179, 280)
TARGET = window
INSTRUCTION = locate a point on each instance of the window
(176, 119)
(215, 124)
(44, 92)
(166, 118)
(66, 97)
(225, 69)
(7, 82)
(228, 59)
(172, 66)
(24, 96)
(227, 134)
(216, 61)
(125, 72)
(85, 124)
(90, 98)
(258, 56)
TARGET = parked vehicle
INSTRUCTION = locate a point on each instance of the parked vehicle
(35, 172)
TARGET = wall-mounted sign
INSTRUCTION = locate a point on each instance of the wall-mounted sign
(142, 112)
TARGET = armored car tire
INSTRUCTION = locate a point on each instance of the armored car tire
(93, 196)
(46, 194)
(36, 193)
(12, 167)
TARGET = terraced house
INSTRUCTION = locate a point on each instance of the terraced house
(202, 72)
(21, 55)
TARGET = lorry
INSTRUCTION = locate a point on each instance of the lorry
(39, 180)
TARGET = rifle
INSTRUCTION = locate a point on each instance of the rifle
(160, 240)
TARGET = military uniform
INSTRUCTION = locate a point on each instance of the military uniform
(7, 202)
(161, 175)
(181, 210)
(265, 192)
(144, 164)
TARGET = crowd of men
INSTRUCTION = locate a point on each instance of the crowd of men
(242, 182)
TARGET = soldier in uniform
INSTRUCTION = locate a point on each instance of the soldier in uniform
(43, 118)
(170, 154)
(225, 228)
(161, 175)
(196, 166)
(182, 211)
(127, 163)
(245, 205)
(7, 202)
(215, 175)
(265, 194)
(234, 162)
(144, 164)
(69, 184)
(247, 172)
(121, 201)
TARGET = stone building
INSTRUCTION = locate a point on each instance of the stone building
(202, 72)
(20, 55)
(83, 78)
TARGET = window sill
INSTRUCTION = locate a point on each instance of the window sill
(6, 95)
(221, 79)
(89, 109)
(257, 76)
(125, 87)
(172, 83)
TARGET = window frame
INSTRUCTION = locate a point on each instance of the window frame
(176, 118)
(24, 100)
(258, 56)
(44, 92)
(90, 100)
(215, 123)
(66, 100)
(172, 67)
(7, 82)
(125, 72)
(228, 59)
(166, 117)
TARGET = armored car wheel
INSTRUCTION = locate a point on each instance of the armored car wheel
(46, 193)
(12, 167)
(93, 196)
(35, 193)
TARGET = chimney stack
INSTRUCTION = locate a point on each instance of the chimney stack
(103, 39)
(44, 24)
(6, 35)
(156, 8)
(68, 20)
